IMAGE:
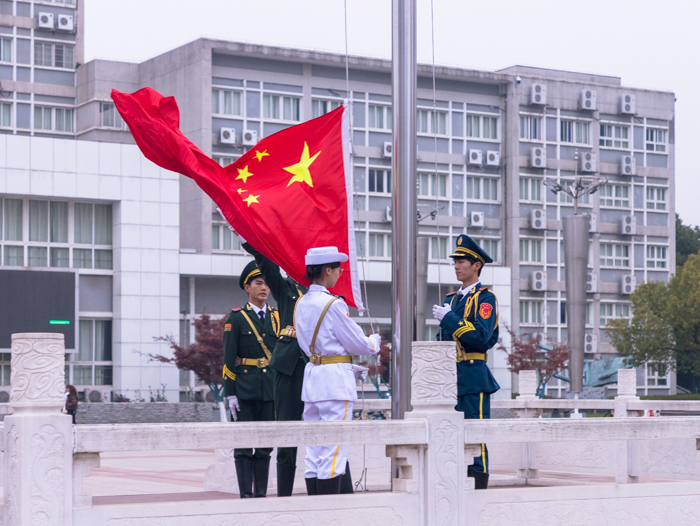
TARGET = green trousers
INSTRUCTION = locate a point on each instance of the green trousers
(255, 411)
(288, 406)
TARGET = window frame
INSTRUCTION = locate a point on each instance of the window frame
(53, 46)
(386, 180)
(531, 244)
(54, 119)
(481, 118)
(624, 143)
(653, 255)
(280, 106)
(530, 183)
(605, 200)
(112, 108)
(337, 103)
(531, 308)
(434, 181)
(431, 121)
(470, 184)
(616, 312)
(574, 131)
(4, 44)
(387, 116)
(657, 146)
(495, 254)
(615, 255)
(654, 200)
(221, 94)
(386, 245)
(526, 132)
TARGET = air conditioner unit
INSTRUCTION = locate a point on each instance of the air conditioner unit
(590, 343)
(538, 157)
(591, 283)
(387, 214)
(587, 162)
(45, 21)
(65, 23)
(250, 137)
(593, 222)
(628, 165)
(627, 104)
(476, 219)
(227, 136)
(628, 225)
(588, 99)
(538, 280)
(388, 150)
(538, 94)
(538, 219)
(628, 284)
(493, 158)
(476, 157)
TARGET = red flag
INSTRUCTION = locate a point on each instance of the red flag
(292, 191)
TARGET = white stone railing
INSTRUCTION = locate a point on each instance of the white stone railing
(46, 458)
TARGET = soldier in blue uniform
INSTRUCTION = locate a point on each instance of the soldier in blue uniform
(470, 318)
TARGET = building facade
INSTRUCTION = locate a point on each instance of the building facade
(487, 141)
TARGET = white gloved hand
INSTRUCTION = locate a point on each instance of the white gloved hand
(439, 312)
(234, 406)
(376, 340)
(360, 372)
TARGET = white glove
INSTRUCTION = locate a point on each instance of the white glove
(234, 406)
(241, 240)
(360, 372)
(376, 340)
(439, 312)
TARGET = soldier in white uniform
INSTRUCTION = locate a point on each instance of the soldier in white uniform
(328, 336)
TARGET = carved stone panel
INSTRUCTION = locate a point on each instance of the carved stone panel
(37, 370)
(434, 375)
(527, 381)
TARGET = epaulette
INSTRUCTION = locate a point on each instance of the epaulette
(451, 294)
(236, 309)
(482, 289)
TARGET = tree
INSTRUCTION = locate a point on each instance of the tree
(687, 241)
(526, 354)
(205, 356)
(665, 327)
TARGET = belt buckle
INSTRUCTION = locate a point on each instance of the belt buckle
(315, 359)
(262, 362)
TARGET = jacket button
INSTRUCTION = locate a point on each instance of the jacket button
(264, 370)
(263, 334)
(245, 370)
(471, 361)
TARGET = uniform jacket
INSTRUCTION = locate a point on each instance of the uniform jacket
(477, 332)
(337, 336)
(250, 382)
(286, 292)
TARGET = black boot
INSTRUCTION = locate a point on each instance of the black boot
(346, 480)
(481, 480)
(261, 468)
(285, 479)
(329, 486)
(244, 472)
(311, 486)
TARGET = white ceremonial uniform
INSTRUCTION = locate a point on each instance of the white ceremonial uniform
(329, 390)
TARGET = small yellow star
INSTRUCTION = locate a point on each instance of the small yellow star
(301, 169)
(252, 199)
(244, 174)
(241, 190)
(260, 154)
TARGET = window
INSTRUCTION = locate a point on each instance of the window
(530, 189)
(438, 248)
(379, 245)
(224, 161)
(482, 188)
(530, 250)
(53, 55)
(225, 102)
(575, 132)
(379, 181)
(530, 128)
(109, 116)
(491, 247)
(614, 136)
(615, 195)
(221, 236)
(562, 313)
(53, 119)
(432, 122)
(656, 256)
(613, 311)
(657, 375)
(92, 365)
(656, 198)
(12, 219)
(6, 49)
(66, 2)
(614, 255)
(432, 185)
(6, 114)
(481, 126)
(530, 312)
(280, 107)
(6, 362)
(585, 199)
(379, 117)
(656, 140)
(321, 107)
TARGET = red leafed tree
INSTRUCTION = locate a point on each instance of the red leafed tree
(525, 353)
(205, 356)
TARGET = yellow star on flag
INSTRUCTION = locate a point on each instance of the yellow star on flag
(252, 199)
(241, 190)
(301, 169)
(244, 174)
(260, 154)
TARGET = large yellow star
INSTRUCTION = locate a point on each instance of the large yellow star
(260, 154)
(301, 169)
(244, 174)
(252, 199)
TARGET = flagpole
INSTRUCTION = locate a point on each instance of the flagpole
(404, 195)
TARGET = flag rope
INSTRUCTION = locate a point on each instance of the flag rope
(437, 177)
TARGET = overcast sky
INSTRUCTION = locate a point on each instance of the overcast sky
(650, 44)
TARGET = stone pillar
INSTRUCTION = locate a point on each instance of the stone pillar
(38, 438)
(627, 464)
(527, 382)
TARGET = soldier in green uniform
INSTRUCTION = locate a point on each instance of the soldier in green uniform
(249, 334)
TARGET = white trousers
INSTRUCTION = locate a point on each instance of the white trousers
(326, 462)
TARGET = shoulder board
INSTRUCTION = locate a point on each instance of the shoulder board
(482, 289)
(236, 309)
(451, 293)
(341, 297)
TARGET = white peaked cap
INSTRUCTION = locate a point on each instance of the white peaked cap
(323, 255)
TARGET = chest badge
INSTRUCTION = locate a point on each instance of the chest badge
(485, 310)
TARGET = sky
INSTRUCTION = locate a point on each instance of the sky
(649, 44)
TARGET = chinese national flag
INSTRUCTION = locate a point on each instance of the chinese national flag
(292, 191)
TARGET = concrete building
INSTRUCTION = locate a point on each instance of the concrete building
(486, 143)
